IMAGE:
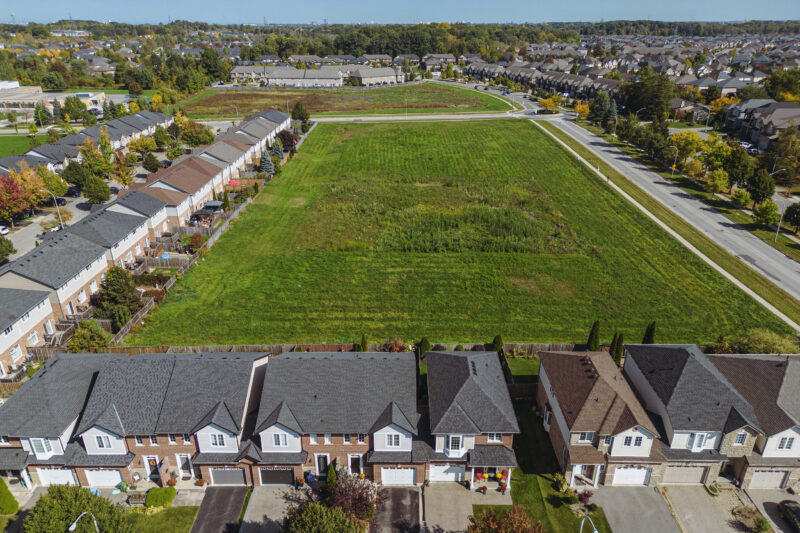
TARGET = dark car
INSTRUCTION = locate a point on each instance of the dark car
(73, 192)
(48, 201)
(790, 511)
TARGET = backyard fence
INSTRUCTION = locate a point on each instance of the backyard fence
(140, 314)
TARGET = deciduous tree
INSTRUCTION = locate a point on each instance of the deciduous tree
(87, 338)
(96, 190)
(760, 186)
(6, 249)
(766, 213)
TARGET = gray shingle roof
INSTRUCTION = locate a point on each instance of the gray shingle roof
(141, 203)
(492, 455)
(16, 302)
(695, 393)
(171, 393)
(106, 228)
(55, 394)
(58, 259)
(467, 393)
(339, 392)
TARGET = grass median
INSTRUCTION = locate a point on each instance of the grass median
(755, 281)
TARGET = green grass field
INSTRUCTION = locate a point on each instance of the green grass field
(172, 519)
(16, 144)
(417, 98)
(456, 232)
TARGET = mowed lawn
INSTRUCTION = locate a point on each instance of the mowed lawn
(453, 231)
(16, 144)
(416, 98)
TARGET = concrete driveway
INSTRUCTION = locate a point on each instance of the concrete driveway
(399, 512)
(268, 507)
(219, 511)
(627, 508)
(767, 501)
(696, 511)
(446, 507)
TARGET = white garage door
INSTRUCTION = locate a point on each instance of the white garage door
(398, 476)
(447, 472)
(631, 475)
(768, 479)
(55, 476)
(103, 478)
(685, 474)
(227, 476)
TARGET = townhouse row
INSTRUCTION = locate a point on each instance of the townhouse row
(254, 419)
(57, 155)
(55, 280)
(672, 415)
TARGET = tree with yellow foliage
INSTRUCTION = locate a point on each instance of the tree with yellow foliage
(31, 182)
(688, 143)
(582, 109)
(719, 103)
(133, 107)
(552, 103)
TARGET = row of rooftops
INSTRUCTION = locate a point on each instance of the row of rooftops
(67, 147)
(700, 392)
(308, 393)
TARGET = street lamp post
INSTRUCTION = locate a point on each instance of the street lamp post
(583, 520)
(74, 525)
(639, 111)
(58, 210)
(237, 112)
(779, 224)
(675, 162)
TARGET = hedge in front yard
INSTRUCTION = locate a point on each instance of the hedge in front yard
(159, 497)
(8, 504)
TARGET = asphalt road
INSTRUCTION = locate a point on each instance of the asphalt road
(757, 254)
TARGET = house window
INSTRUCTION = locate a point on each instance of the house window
(607, 440)
(171, 438)
(279, 439)
(41, 445)
(347, 438)
(217, 439)
(362, 438)
(153, 440)
(48, 327)
(82, 296)
(33, 338)
(740, 438)
(312, 439)
(637, 441)
(586, 436)
(393, 440)
(786, 443)
(16, 353)
(138, 440)
(93, 286)
(495, 437)
(187, 439)
(628, 441)
(7, 331)
(697, 441)
(138, 250)
(455, 442)
(328, 438)
(4, 440)
(103, 441)
(547, 417)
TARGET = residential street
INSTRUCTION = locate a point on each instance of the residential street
(780, 269)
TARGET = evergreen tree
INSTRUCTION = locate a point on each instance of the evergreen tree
(497, 344)
(610, 118)
(106, 110)
(423, 347)
(266, 164)
(150, 163)
(330, 477)
(277, 148)
(650, 333)
(226, 201)
(593, 343)
(618, 352)
(613, 345)
(58, 114)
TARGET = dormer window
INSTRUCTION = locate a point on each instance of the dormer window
(103, 442)
(786, 443)
(607, 440)
(495, 437)
(697, 441)
(586, 436)
(393, 440)
(740, 438)
(279, 440)
(217, 440)
(4, 440)
(454, 442)
(41, 446)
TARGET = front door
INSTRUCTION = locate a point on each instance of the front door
(355, 464)
(71, 308)
(151, 464)
(185, 465)
(322, 464)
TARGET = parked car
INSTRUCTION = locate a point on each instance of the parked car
(477, 86)
(790, 512)
(4, 230)
(60, 200)
(95, 112)
(73, 192)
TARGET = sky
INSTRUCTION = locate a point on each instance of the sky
(392, 11)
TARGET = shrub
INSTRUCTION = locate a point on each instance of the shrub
(356, 496)
(196, 241)
(159, 497)
(120, 315)
(497, 343)
(459, 348)
(88, 337)
(741, 198)
(395, 345)
(56, 510)
(585, 497)
(150, 163)
(330, 477)
(8, 504)
(423, 347)
(570, 497)
(156, 294)
(314, 517)
(765, 341)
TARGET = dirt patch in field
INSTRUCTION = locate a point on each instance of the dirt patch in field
(266, 199)
(543, 284)
(296, 202)
(274, 201)
(428, 185)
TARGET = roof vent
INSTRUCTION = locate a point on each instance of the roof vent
(474, 369)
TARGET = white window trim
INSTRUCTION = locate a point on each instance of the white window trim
(743, 435)
(585, 436)
(187, 439)
(328, 438)
(16, 350)
(153, 440)
(786, 443)
(279, 440)
(172, 439)
(494, 437)
(312, 438)
(4, 441)
(627, 441)
(103, 442)
(347, 439)
(362, 438)
(217, 440)
(391, 439)
(138, 440)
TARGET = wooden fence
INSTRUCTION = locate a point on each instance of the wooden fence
(148, 304)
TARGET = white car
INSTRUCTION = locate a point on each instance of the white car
(4, 230)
